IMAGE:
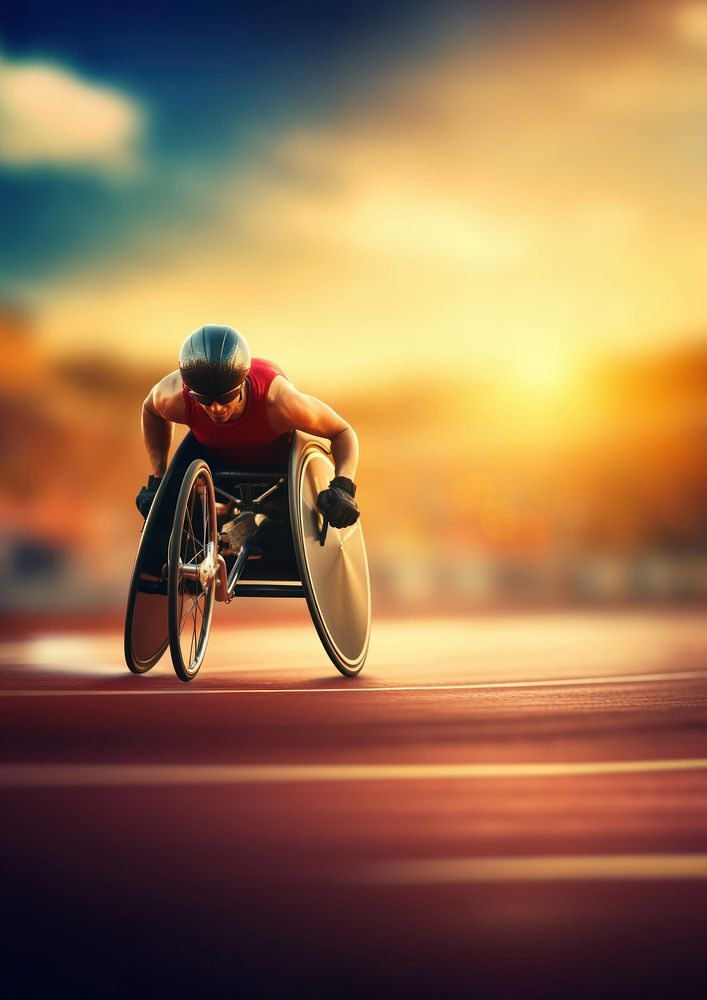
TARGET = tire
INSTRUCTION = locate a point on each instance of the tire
(146, 634)
(193, 545)
(334, 575)
(146, 630)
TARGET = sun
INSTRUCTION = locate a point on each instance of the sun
(542, 372)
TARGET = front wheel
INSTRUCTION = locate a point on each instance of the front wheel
(192, 569)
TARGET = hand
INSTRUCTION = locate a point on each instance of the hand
(143, 501)
(338, 502)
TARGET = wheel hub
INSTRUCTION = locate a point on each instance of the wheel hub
(203, 571)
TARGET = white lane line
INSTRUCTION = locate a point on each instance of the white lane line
(349, 687)
(593, 867)
(78, 775)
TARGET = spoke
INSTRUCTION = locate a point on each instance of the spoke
(196, 558)
(198, 527)
(199, 621)
(191, 632)
(192, 642)
(197, 546)
(190, 530)
(189, 613)
(194, 645)
(191, 539)
(204, 540)
(186, 619)
(192, 536)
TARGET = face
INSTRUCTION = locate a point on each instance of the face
(222, 412)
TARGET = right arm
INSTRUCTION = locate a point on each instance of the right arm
(163, 407)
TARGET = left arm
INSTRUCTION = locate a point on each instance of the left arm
(288, 410)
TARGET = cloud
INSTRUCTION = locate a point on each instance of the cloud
(51, 117)
(544, 194)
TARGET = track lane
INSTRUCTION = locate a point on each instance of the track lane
(282, 882)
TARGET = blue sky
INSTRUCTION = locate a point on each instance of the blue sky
(521, 181)
(213, 81)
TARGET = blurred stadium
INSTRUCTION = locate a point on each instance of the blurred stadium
(490, 492)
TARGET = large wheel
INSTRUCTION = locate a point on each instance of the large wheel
(191, 574)
(146, 634)
(334, 575)
(146, 626)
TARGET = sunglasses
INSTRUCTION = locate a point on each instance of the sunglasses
(227, 397)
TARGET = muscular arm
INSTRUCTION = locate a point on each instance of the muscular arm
(289, 410)
(163, 407)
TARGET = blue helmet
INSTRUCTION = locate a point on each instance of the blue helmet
(214, 360)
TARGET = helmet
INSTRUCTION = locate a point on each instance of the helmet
(214, 361)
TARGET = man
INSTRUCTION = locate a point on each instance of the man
(242, 411)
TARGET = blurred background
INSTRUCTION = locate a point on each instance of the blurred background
(479, 231)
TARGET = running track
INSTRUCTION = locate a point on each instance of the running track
(510, 806)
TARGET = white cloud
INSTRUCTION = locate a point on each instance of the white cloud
(411, 224)
(50, 116)
(500, 204)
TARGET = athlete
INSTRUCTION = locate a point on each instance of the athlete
(243, 410)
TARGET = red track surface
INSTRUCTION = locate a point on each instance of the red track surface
(170, 839)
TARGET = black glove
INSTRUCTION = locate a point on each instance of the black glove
(338, 502)
(143, 501)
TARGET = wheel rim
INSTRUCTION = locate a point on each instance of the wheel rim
(195, 576)
(338, 570)
(335, 575)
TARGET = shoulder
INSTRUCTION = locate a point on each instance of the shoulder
(281, 392)
(166, 398)
(283, 404)
(266, 371)
(280, 385)
(276, 386)
(288, 409)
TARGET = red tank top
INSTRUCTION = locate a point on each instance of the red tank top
(248, 441)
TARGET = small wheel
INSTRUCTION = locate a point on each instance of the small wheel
(192, 566)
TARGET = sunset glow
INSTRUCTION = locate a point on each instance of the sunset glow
(480, 236)
(541, 195)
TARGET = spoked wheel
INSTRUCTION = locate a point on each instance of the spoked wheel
(192, 568)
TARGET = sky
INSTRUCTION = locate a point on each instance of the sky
(364, 189)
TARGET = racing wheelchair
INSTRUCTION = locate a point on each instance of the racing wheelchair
(215, 534)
